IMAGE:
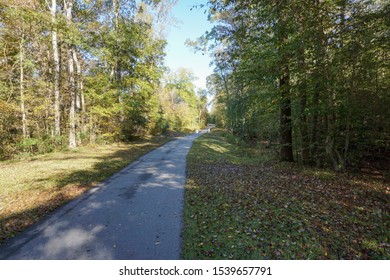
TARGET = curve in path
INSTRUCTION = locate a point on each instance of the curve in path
(136, 214)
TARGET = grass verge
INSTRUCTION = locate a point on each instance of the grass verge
(32, 188)
(238, 205)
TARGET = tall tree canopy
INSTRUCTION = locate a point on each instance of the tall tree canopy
(311, 76)
(78, 71)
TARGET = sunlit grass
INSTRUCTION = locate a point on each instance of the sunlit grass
(217, 148)
(321, 174)
(34, 187)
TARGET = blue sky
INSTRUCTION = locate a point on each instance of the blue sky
(191, 25)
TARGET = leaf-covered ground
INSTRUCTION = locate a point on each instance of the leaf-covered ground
(239, 206)
(32, 188)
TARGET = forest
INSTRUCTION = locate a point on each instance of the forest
(78, 72)
(301, 170)
(309, 79)
(297, 165)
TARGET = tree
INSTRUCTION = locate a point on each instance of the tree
(56, 69)
(179, 101)
(79, 71)
(311, 62)
(68, 6)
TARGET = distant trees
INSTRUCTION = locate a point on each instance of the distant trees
(312, 76)
(74, 72)
(184, 109)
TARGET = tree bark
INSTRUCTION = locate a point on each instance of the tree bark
(303, 96)
(286, 150)
(22, 105)
(56, 60)
(116, 70)
(115, 4)
(313, 137)
(304, 133)
(72, 113)
(78, 80)
(80, 102)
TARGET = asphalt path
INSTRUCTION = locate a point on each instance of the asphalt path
(135, 215)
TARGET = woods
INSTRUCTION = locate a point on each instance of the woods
(78, 72)
(296, 166)
(310, 78)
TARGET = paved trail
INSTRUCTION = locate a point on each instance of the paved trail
(136, 214)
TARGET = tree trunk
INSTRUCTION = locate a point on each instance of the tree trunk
(72, 113)
(56, 60)
(80, 87)
(228, 109)
(317, 134)
(116, 68)
(313, 151)
(115, 6)
(286, 151)
(79, 81)
(22, 105)
(80, 103)
(303, 96)
(304, 134)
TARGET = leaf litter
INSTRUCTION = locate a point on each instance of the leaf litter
(236, 208)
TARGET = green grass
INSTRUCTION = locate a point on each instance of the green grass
(239, 204)
(34, 187)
